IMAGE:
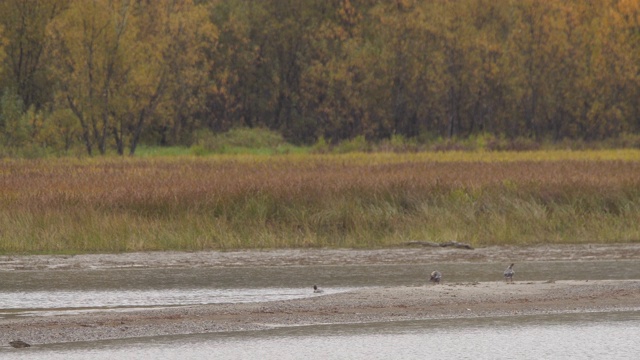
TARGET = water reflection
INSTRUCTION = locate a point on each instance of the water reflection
(40, 292)
(568, 336)
(43, 303)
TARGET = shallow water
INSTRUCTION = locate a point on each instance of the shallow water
(39, 293)
(568, 336)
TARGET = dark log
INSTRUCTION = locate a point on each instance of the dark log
(443, 244)
(18, 344)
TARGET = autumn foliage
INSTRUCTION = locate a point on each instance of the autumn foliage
(112, 74)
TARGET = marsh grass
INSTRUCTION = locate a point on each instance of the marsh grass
(352, 200)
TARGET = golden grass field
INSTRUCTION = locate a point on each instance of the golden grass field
(284, 201)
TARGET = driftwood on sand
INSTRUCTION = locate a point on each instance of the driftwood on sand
(443, 244)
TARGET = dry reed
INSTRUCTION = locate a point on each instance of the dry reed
(231, 202)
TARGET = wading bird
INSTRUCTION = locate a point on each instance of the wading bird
(436, 277)
(317, 290)
(508, 274)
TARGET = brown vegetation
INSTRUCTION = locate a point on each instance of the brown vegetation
(311, 201)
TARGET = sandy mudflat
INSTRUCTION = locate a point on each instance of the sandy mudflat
(448, 300)
(363, 305)
(402, 255)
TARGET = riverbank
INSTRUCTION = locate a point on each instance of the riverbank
(371, 304)
(378, 304)
(311, 257)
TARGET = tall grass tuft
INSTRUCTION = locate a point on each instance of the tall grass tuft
(352, 200)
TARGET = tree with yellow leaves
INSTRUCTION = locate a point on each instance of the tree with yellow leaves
(24, 23)
(169, 70)
(117, 61)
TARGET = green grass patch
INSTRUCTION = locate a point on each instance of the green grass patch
(162, 151)
(256, 141)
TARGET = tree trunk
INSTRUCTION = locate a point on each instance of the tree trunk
(86, 137)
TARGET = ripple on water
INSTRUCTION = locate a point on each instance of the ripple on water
(567, 336)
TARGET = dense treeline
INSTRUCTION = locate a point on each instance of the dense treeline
(112, 74)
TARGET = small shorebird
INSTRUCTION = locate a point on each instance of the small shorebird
(508, 273)
(18, 344)
(436, 277)
(317, 290)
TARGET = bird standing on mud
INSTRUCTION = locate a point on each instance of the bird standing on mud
(317, 290)
(508, 273)
(435, 277)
